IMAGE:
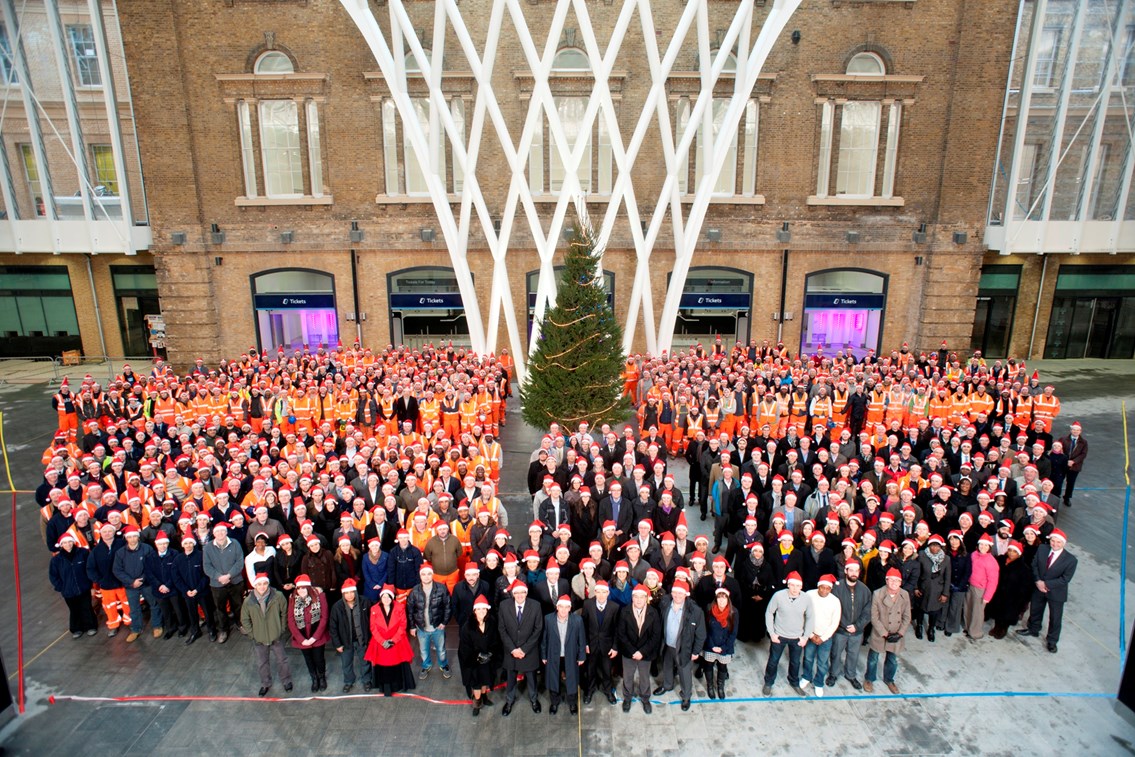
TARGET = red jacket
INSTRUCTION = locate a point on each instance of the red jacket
(394, 630)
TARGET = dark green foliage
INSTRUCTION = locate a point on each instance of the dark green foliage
(575, 374)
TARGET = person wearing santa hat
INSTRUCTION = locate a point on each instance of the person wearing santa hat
(890, 619)
(427, 612)
(263, 614)
(224, 565)
(683, 635)
(308, 619)
(389, 652)
(1014, 590)
(826, 612)
(639, 638)
(563, 650)
(521, 627)
(193, 585)
(68, 574)
(1053, 568)
(600, 618)
(160, 570)
(790, 620)
(1076, 449)
(479, 652)
(130, 569)
(350, 634)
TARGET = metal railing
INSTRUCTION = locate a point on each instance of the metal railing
(108, 366)
(30, 370)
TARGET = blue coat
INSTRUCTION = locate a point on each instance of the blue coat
(575, 650)
(717, 636)
(189, 572)
(100, 564)
(403, 565)
(374, 574)
(130, 564)
(160, 570)
(68, 573)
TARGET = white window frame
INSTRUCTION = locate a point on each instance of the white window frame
(752, 136)
(857, 149)
(291, 150)
(247, 151)
(416, 185)
(390, 147)
(536, 160)
(823, 174)
(84, 55)
(557, 171)
(457, 110)
(7, 61)
(1047, 56)
(727, 179)
(681, 121)
(314, 148)
(891, 155)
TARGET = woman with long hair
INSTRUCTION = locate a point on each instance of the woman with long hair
(308, 617)
(479, 652)
(959, 582)
(720, 639)
(389, 651)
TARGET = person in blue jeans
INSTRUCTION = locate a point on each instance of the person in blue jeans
(789, 620)
(130, 569)
(428, 610)
(818, 653)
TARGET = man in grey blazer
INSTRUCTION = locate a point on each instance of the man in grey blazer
(1053, 567)
(563, 649)
(683, 638)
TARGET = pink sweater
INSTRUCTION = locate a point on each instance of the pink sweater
(984, 573)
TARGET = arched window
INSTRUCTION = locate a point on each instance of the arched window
(571, 59)
(866, 64)
(274, 62)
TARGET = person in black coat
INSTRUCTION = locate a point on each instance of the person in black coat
(600, 618)
(193, 585)
(689, 644)
(160, 570)
(757, 578)
(68, 573)
(1014, 590)
(349, 627)
(563, 655)
(639, 638)
(479, 652)
(521, 625)
(706, 590)
(465, 594)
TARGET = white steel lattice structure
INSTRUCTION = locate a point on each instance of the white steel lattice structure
(749, 40)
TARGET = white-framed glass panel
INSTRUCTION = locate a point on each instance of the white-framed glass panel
(866, 64)
(681, 121)
(415, 172)
(280, 148)
(1127, 63)
(31, 176)
(570, 111)
(571, 59)
(536, 158)
(1049, 48)
(1027, 162)
(604, 157)
(890, 159)
(823, 173)
(102, 168)
(858, 149)
(247, 152)
(749, 165)
(82, 39)
(390, 146)
(457, 110)
(726, 184)
(273, 62)
(314, 149)
(7, 67)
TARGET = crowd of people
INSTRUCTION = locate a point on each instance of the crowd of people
(832, 503)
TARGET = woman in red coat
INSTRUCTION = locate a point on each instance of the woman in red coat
(389, 650)
(308, 616)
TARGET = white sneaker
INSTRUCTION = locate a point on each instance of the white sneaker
(819, 691)
(805, 684)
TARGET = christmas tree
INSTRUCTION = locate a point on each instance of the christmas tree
(575, 373)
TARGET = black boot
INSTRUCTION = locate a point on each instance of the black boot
(930, 632)
(722, 674)
(918, 629)
(710, 684)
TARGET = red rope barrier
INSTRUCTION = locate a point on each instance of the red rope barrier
(20, 698)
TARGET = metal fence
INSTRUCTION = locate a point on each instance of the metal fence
(51, 371)
(29, 370)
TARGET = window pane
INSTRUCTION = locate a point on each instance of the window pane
(727, 179)
(274, 62)
(134, 281)
(845, 281)
(7, 69)
(102, 162)
(31, 315)
(858, 149)
(9, 318)
(894, 121)
(681, 121)
(570, 111)
(1026, 189)
(35, 279)
(457, 107)
(280, 147)
(1046, 56)
(750, 159)
(247, 153)
(293, 281)
(415, 171)
(604, 157)
(866, 64)
(31, 176)
(61, 317)
(82, 40)
(571, 59)
(536, 159)
(314, 150)
(390, 146)
(823, 174)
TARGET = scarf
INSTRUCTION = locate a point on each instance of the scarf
(785, 552)
(302, 604)
(936, 560)
(723, 615)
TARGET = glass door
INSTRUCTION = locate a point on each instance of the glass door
(993, 326)
(1103, 326)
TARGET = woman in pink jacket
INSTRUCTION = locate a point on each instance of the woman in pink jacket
(984, 572)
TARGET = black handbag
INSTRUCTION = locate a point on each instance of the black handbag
(894, 637)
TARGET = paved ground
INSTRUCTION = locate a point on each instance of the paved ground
(991, 697)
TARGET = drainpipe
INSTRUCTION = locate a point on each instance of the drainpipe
(355, 294)
(95, 297)
(1036, 313)
(783, 294)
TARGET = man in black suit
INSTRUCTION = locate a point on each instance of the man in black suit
(549, 590)
(1076, 447)
(617, 508)
(521, 626)
(639, 637)
(1053, 567)
(600, 618)
(406, 408)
